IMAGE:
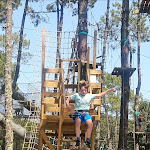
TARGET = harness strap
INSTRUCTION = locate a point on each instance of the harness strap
(82, 114)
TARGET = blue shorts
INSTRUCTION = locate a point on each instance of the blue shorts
(82, 115)
(140, 123)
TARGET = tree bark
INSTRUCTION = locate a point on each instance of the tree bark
(59, 33)
(8, 80)
(139, 81)
(102, 68)
(82, 24)
(82, 34)
(123, 131)
(116, 131)
(20, 46)
(19, 130)
(105, 36)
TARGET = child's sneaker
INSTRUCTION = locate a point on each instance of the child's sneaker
(88, 144)
(77, 142)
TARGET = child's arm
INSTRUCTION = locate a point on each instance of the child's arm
(105, 92)
(67, 103)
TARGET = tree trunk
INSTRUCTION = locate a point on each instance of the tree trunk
(97, 135)
(123, 131)
(108, 131)
(116, 131)
(26, 103)
(102, 68)
(8, 80)
(83, 31)
(139, 81)
(105, 36)
(19, 130)
(59, 33)
(20, 46)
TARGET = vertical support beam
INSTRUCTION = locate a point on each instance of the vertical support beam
(60, 127)
(87, 64)
(83, 30)
(40, 142)
(94, 50)
(92, 138)
(79, 73)
(85, 139)
(88, 53)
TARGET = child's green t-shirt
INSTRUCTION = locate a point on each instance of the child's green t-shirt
(82, 102)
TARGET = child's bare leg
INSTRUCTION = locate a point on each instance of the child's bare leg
(77, 127)
(89, 127)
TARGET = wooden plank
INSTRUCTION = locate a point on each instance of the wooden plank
(96, 102)
(45, 138)
(95, 85)
(92, 71)
(92, 140)
(51, 83)
(68, 94)
(48, 101)
(68, 126)
(51, 94)
(52, 118)
(96, 118)
(52, 109)
(79, 73)
(51, 105)
(51, 70)
(68, 140)
(94, 49)
(72, 60)
(135, 11)
(71, 86)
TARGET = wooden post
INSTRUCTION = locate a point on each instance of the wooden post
(92, 138)
(94, 50)
(79, 73)
(88, 53)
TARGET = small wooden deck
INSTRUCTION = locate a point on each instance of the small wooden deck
(144, 7)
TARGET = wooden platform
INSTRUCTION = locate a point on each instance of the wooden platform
(55, 121)
(119, 71)
(144, 7)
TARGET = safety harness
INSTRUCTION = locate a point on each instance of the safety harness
(79, 113)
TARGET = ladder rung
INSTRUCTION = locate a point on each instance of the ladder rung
(92, 71)
(51, 105)
(51, 70)
(68, 94)
(95, 85)
(51, 83)
(51, 94)
(68, 140)
(52, 109)
(96, 102)
(48, 101)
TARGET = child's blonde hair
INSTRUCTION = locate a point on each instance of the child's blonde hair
(83, 83)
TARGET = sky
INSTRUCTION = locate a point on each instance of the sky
(30, 73)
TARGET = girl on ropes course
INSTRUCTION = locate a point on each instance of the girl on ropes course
(82, 106)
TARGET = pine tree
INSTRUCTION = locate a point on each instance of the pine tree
(8, 80)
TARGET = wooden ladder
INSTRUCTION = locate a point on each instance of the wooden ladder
(94, 79)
